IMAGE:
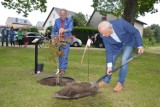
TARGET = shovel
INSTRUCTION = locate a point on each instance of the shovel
(135, 56)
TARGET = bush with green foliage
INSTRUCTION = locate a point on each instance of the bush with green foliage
(33, 29)
(149, 43)
(48, 28)
(83, 32)
(156, 32)
(151, 36)
(79, 19)
(30, 29)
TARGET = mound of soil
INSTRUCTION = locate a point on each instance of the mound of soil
(54, 81)
(77, 90)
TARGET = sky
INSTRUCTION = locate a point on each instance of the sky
(83, 6)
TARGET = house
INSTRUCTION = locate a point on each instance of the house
(53, 15)
(17, 22)
(39, 26)
(96, 18)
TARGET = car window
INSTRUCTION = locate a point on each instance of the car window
(38, 34)
(31, 34)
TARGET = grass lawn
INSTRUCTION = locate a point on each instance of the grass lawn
(19, 86)
(153, 49)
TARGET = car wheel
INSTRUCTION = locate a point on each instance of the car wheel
(100, 45)
(75, 44)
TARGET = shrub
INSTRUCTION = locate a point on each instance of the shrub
(148, 43)
(83, 32)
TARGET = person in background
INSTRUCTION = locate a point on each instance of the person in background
(63, 26)
(20, 37)
(25, 40)
(5, 34)
(49, 34)
(119, 36)
(12, 34)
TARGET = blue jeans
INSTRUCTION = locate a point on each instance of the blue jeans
(5, 38)
(127, 51)
(63, 60)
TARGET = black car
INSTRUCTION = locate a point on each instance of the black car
(97, 40)
(33, 35)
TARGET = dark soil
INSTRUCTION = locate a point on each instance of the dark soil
(54, 81)
(77, 90)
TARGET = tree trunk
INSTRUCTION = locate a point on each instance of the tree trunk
(130, 10)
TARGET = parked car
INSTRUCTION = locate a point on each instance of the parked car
(0, 37)
(1, 33)
(97, 41)
(33, 35)
(76, 42)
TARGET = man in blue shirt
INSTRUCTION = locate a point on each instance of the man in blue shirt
(5, 34)
(12, 34)
(63, 26)
(119, 36)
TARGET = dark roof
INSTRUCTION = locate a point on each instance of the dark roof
(58, 11)
(19, 21)
(140, 22)
(95, 11)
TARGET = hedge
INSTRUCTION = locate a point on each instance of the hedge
(83, 32)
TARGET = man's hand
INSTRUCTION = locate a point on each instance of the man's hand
(109, 71)
(141, 50)
(61, 30)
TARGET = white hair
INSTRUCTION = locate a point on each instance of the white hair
(63, 10)
(105, 25)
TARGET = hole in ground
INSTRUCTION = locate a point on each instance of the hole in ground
(54, 81)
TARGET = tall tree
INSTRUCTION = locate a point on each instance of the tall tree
(156, 32)
(25, 6)
(148, 33)
(128, 9)
(79, 19)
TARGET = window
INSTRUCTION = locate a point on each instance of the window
(104, 18)
(25, 21)
(17, 20)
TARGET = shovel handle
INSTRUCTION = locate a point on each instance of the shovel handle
(135, 56)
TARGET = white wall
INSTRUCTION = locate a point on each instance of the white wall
(51, 20)
(139, 27)
(8, 23)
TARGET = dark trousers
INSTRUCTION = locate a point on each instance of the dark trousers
(20, 42)
(5, 39)
(12, 43)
